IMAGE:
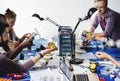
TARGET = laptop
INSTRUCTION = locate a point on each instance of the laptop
(76, 77)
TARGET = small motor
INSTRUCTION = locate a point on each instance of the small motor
(86, 33)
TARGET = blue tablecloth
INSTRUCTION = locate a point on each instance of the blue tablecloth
(114, 52)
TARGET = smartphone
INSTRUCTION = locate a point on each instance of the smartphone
(32, 36)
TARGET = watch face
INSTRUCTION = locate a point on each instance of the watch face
(51, 45)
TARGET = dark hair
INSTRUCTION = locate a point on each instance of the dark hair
(10, 14)
(2, 17)
(3, 25)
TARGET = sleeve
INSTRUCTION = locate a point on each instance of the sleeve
(27, 64)
(9, 66)
(94, 20)
(110, 23)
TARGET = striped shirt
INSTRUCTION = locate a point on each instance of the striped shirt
(110, 25)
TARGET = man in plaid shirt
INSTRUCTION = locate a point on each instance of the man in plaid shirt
(108, 19)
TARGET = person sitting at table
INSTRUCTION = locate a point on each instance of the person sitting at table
(108, 20)
(4, 43)
(104, 55)
(10, 44)
(9, 66)
(14, 40)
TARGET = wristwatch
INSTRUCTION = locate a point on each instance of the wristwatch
(41, 55)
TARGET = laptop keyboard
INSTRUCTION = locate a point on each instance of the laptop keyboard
(81, 77)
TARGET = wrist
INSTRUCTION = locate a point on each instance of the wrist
(41, 55)
(109, 57)
(20, 40)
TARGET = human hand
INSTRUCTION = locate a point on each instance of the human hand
(11, 44)
(92, 36)
(51, 45)
(103, 55)
(48, 50)
(27, 42)
(86, 35)
(27, 35)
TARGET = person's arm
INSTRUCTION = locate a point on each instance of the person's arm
(42, 54)
(94, 22)
(96, 37)
(92, 29)
(100, 34)
(27, 35)
(9, 66)
(114, 61)
(13, 53)
(104, 55)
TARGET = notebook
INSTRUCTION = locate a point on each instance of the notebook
(77, 77)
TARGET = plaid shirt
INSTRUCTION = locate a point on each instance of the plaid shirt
(110, 25)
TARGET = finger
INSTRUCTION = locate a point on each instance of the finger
(98, 54)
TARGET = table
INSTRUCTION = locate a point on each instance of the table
(39, 73)
(46, 72)
(49, 72)
(115, 53)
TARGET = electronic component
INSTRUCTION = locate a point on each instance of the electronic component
(86, 33)
(65, 41)
(93, 66)
(32, 36)
(51, 45)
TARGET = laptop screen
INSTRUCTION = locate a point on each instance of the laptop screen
(64, 68)
(75, 77)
